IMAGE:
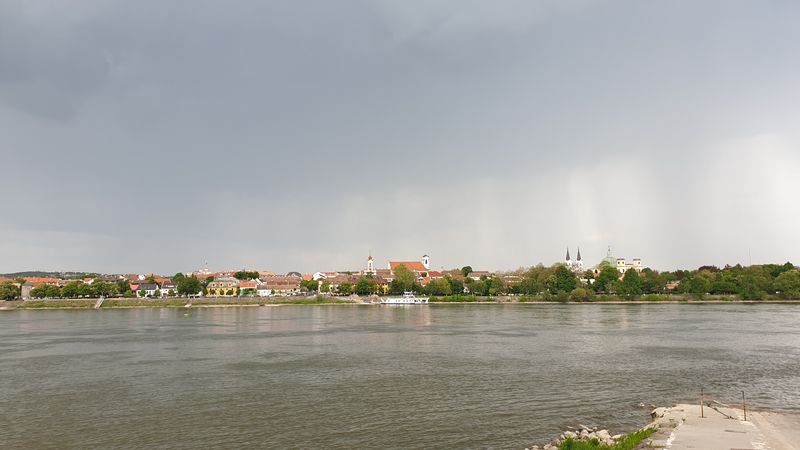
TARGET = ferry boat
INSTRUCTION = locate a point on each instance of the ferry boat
(408, 298)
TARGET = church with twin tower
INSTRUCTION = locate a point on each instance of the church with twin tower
(577, 265)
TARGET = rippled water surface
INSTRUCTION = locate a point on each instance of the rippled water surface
(455, 376)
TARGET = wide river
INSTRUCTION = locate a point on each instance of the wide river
(449, 376)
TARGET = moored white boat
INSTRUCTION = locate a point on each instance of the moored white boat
(408, 298)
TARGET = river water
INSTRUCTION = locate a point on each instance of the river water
(438, 376)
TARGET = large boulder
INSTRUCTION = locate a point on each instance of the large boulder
(658, 413)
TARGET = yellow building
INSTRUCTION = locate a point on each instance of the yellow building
(223, 287)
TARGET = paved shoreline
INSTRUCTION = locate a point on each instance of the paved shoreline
(712, 427)
(724, 428)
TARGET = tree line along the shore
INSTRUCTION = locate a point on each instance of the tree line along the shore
(557, 282)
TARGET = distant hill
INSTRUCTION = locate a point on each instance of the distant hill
(41, 274)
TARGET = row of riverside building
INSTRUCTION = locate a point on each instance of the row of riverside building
(225, 284)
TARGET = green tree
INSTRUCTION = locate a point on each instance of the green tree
(123, 287)
(178, 277)
(53, 291)
(631, 285)
(366, 286)
(189, 286)
(309, 285)
(579, 294)
(466, 270)
(39, 291)
(479, 287)
(607, 280)
(245, 275)
(696, 285)
(85, 290)
(345, 288)
(456, 286)
(652, 281)
(404, 280)
(438, 287)
(719, 287)
(101, 288)
(528, 286)
(495, 286)
(788, 284)
(755, 283)
(565, 280)
(73, 289)
(9, 291)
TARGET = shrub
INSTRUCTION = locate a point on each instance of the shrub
(579, 295)
(628, 442)
(654, 298)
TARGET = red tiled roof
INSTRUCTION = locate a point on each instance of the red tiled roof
(248, 285)
(414, 266)
(290, 283)
(480, 273)
(38, 281)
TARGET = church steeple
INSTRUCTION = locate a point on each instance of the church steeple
(568, 259)
(370, 265)
(579, 254)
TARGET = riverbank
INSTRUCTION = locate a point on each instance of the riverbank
(684, 427)
(207, 302)
(219, 302)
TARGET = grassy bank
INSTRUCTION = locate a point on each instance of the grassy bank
(462, 299)
(318, 300)
(176, 302)
(132, 302)
(60, 303)
(628, 442)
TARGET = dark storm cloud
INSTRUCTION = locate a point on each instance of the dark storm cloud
(280, 135)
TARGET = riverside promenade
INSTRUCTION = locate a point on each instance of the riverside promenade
(682, 428)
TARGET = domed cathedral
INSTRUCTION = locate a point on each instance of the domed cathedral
(620, 264)
(577, 265)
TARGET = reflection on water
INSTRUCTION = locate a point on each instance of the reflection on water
(438, 376)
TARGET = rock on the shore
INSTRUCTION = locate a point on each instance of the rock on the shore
(585, 434)
(658, 413)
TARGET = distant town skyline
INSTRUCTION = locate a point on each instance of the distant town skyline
(298, 135)
(380, 262)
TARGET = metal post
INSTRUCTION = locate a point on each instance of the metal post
(744, 407)
(702, 400)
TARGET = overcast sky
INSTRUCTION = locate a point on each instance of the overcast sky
(150, 136)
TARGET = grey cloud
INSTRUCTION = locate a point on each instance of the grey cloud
(297, 135)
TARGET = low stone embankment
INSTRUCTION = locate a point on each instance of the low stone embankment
(583, 433)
